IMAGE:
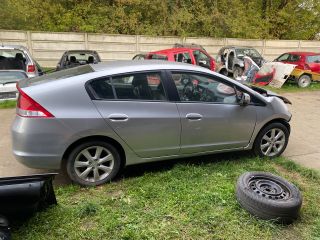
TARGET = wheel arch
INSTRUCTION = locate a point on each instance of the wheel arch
(109, 140)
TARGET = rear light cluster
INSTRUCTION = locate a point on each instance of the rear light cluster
(27, 107)
(31, 68)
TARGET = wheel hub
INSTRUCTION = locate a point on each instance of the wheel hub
(268, 188)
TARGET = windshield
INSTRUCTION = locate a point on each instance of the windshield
(11, 77)
(251, 52)
(82, 57)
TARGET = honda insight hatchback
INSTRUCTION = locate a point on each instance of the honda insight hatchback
(94, 119)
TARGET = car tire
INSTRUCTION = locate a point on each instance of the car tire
(268, 196)
(237, 72)
(304, 81)
(93, 163)
(268, 143)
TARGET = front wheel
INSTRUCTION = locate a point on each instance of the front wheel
(237, 72)
(271, 141)
(93, 163)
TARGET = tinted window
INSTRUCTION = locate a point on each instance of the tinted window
(201, 59)
(158, 57)
(182, 57)
(102, 88)
(293, 58)
(145, 86)
(195, 87)
(313, 59)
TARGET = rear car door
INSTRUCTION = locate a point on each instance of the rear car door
(136, 106)
(211, 118)
(314, 63)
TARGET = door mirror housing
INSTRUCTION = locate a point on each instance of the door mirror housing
(245, 99)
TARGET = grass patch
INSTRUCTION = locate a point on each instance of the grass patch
(8, 104)
(291, 87)
(187, 199)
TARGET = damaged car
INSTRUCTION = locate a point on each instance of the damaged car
(131, 112)
(230, 60)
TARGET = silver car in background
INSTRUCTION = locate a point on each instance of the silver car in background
(95, 119)
(19, 58)
(8, 82)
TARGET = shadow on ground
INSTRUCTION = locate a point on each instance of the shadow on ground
(140, 169)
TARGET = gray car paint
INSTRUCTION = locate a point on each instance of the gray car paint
(152, 131)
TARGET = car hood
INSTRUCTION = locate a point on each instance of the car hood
(268, 93)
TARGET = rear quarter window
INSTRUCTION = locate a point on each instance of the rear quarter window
(158, 57)
(313, 59)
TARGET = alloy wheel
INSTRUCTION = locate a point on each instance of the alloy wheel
(94, 163)
(273, 142)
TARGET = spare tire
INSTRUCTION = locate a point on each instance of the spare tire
(268, 196)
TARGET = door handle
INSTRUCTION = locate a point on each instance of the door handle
(194, 116)
(119, 117)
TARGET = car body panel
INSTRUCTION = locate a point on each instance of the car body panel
(222, 126)
(42, 142)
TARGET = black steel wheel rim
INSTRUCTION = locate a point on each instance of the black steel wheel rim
(268, 188)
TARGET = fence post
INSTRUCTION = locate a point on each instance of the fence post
(86, 41)
(137, 44)
(29, 43)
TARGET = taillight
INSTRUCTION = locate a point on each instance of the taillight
(31, 68)
(27, 107)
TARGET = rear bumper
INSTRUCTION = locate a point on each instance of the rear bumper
(39, 143)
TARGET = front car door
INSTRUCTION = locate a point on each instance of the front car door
(211, 118)
(136, 106)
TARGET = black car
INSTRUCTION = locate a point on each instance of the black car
(74, 58)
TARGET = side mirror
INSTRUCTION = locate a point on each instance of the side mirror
(245, 99)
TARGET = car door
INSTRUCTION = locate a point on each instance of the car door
(211, 118)
(136, 106)
(314, 63)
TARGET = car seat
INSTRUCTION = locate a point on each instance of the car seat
(141, 88)
(90, 59)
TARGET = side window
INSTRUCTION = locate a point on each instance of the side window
(313, 59)
(102, 88)
(144, 86)
(283, 57)
(201, 59)
(182, 57)
(202, 88)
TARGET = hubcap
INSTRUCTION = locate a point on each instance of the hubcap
(272, 142)
(268, 188)
(304, 82)
(94, 163)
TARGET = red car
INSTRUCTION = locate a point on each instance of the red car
(195, 56)
(307, 69)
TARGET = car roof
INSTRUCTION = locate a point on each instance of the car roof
(2, 46)
(173, 50)
(130, 65)
(304, 53)
(80, 51)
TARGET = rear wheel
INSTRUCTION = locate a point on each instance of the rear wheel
(271, 141)
(304, 81)
(93, 163)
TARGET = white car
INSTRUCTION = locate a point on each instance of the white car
(8, 82)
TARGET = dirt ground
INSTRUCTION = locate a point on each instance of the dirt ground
(303, 148)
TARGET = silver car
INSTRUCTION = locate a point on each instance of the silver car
(18, 57)
(95, 119)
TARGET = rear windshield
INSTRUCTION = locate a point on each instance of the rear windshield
(158, 56)
(67, 73)
(251, 52)
(313, 59)
(12, 59)
(11, 77)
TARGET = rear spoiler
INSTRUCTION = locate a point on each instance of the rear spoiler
(268, 93)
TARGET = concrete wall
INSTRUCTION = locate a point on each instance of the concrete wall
(48, 47)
